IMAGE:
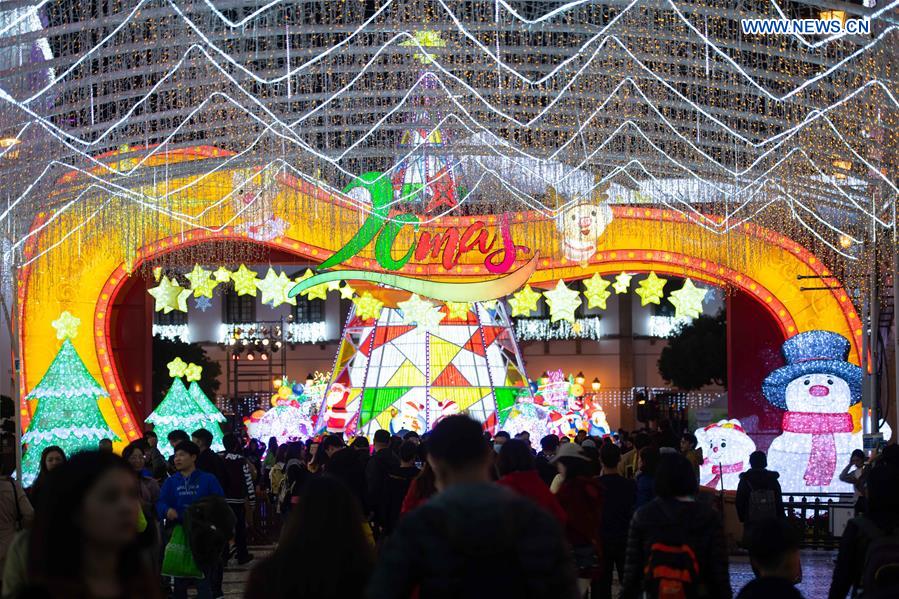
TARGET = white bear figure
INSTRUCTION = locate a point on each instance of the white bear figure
(816, 387)
(725, 448)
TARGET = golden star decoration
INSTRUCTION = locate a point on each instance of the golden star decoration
(687, 300)
(169, 295)
(274, 288)
(457, 310)
(201, 281)
(524, 301)
(316, 292)
(333, 285)
(489, 304)
(562, 302)
(176, 368)
(66, 326)
(347, 291)
(596, 291)
(222, 275)
(622, 283)
(367, 306)
(193, 372)
(421, 313)
(244, 281)
(651, 290)
(157, 273)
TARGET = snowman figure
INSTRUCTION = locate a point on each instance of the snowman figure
(726, 448)
(816, 388)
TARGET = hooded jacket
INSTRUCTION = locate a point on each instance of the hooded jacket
(528, 483)
(757, 479)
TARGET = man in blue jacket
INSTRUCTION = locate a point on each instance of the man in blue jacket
(180, 490)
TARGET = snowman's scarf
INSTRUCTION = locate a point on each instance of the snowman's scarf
(718, 470)
(822, 460)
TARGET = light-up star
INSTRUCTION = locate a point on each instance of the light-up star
(176, 368)
(457, 310)
(347, 291)
(244, 281)
(421, 312)
(425, 39)
(333, 285)
(201, 281)
(193, 372)
(169, 295)
(367, 306)
(651, 289)
(687, 300)
(317, 292)
(157, 273)
(489, 304)
(562, 302)
(274, 288)
(596, 291)
(622, 283)
(202, 304)
(222, 275)
(524, 301)
(66, 326)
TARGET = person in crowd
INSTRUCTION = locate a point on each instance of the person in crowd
(297, 473)
(774, 554)
(345, 464)
(675, 519)
(208, 460)
(630, 460)
(271, 454)
(380, 468)
(422, 488)
(619, 497)
(580, 436)
(51, 458)
(759, 496)
(149, 488)
(646, 471)
(187, 486)
(867, 560)
(517, 471)
(155, 460)
(363, 450)
(623, 440)
(400, 481)
(499, 439)
(665, 437)
(474, 538)
(525, 437)
(591, 450)
(240, 494)
(312, 445)
(84, 541)
(16, 512)
(580, 496)
(254, 451)
(688, 443)
(545, 468)
(854, 474)
(412, 436)
(105, 445)
(318, 458)
(174, 438)
(324, 552)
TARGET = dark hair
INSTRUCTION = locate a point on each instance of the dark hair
(189, 447)
(649, 460)
(104, 441)
(408, 451)
(411, 435)
(502, 434)
(177, 435)
(203, 435)
(328, 521)
(150, 435)
(515, 456)
(758, 459)
(360, 443)
(458, 441)
(131, 448)
(890, 454)
(576, 467)
(55, 550)
(549, 443)
(641, 440)
(858, 453)
(883, 489)
(674, 477)
(609, 455)
(770, 541)
(231, 442)
(691, 439)
(332, 441)
(272, 443)
(47, 451)
(382, 436)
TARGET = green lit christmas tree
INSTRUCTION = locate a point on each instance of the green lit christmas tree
(212, 413)
(67, 413)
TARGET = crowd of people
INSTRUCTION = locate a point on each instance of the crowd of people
(453, 513)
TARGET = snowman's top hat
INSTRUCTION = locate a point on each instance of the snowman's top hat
(813, 352)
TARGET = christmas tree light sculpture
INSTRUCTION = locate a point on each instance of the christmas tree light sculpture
(179, 410)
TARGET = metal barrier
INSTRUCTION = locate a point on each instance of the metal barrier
(819, 517)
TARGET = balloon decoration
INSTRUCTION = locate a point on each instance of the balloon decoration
(292, 416)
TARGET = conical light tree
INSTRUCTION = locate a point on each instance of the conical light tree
(210, 411)
(178, 410)
(67, 413)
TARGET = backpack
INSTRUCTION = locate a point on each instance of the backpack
(672, 569)
(881, 567)
(762, 504)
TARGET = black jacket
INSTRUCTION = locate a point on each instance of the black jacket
(476, 541)
(769, 588)
(704, 533)
(379, 468)
(346, 464)
(238, 484)
(847, 572)
(759, 479)
(211, 462)
(546, 469)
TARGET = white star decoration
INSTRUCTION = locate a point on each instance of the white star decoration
(622, 283)
(687, 300)
(562, 302)
(274, 288)
(421, 312)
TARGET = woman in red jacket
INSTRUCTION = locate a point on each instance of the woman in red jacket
(581, 497)
(518, 471)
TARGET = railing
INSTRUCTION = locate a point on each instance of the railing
(819, 517)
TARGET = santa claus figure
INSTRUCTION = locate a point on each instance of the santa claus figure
(816, 388)
(337, 414)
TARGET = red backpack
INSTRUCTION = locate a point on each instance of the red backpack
(672, 569)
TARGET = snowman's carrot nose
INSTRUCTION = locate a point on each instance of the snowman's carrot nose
(819, 391)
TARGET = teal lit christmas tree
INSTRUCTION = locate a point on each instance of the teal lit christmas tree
(67, 413)
(212, 413)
